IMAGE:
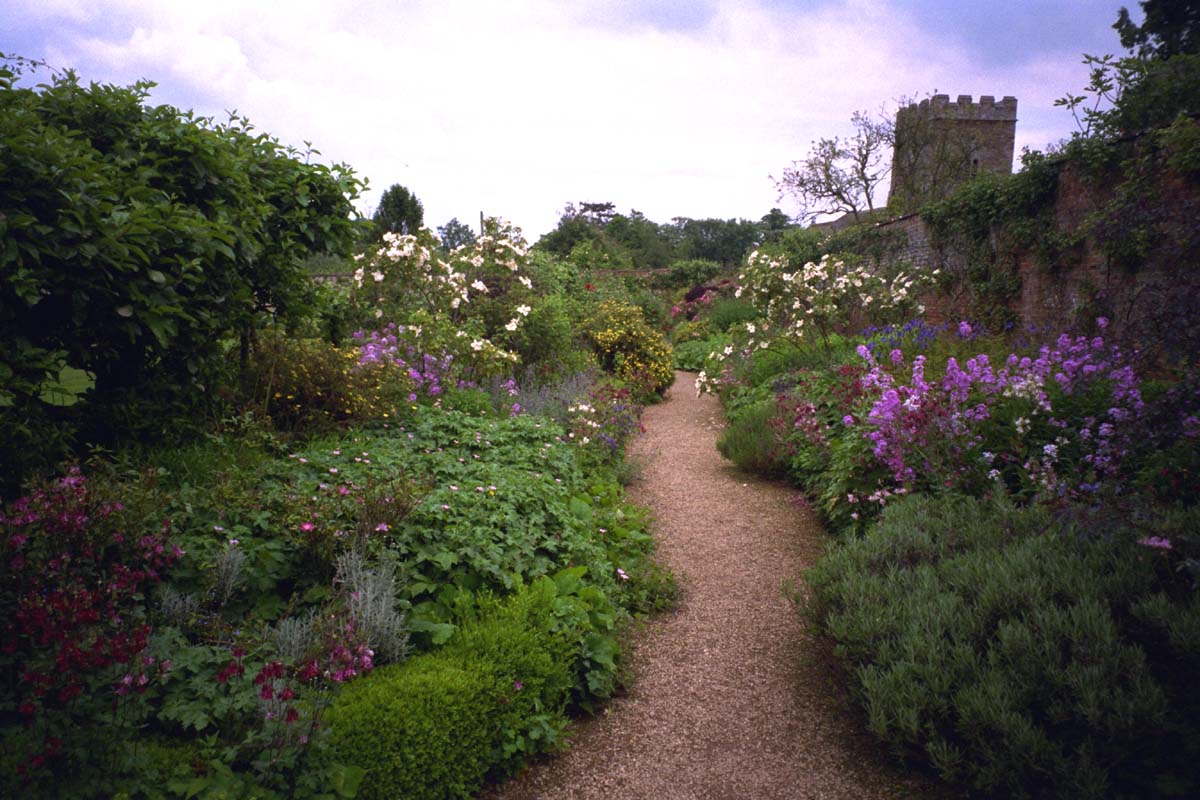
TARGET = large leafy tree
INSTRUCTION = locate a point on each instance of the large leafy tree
(725, 241)
(1169, 28)
(1155, 85)
(399, 211)
(137, 242)
(455, 234)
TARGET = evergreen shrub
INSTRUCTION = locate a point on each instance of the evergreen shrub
(1019, 656)
(421, 729)
(750, 440)
(435, 726)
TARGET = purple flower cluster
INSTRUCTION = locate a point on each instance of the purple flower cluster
(427, 372)
(916, 333)
(920, 427)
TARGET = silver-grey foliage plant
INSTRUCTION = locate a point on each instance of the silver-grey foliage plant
(370, 592)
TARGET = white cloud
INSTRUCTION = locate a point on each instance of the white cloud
(517, 108)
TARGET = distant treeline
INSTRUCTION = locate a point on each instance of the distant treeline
(597, 233)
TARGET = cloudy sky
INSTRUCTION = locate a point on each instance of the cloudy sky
(516, 107)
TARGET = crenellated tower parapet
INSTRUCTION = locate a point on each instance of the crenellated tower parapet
(939, 143)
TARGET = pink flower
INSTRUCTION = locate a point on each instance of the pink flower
(307, 526)
(1157, 542)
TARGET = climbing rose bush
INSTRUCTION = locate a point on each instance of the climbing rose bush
(467, 308)
(813, 300)
(817, 297)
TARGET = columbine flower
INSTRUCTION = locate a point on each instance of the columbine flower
(622, 574)
(524, 310)
(511, 326)
(477, 345)
(377, 275)
(1157, 542)
(479, 286)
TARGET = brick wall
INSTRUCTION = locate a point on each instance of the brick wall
(1081, 282)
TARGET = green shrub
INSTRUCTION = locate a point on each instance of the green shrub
(693, 272)
(436, 725)
(1016, 655)
(784, 356)
(531, 662)
(690, 330)
(750, 440)
(629, 348)
(727, 312)
(691, 355)
(548, 344)
(138, 240)
(422, 729)
(303, 383)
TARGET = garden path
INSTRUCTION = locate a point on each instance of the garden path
(734, 697)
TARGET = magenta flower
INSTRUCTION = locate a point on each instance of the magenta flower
(1156, 542)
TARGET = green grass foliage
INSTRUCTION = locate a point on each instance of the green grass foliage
(1018, 656)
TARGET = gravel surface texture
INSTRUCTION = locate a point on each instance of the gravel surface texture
(732, 697)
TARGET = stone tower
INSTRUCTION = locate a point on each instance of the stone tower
(940, 144)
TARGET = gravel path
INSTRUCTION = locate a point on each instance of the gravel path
(733, 698)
